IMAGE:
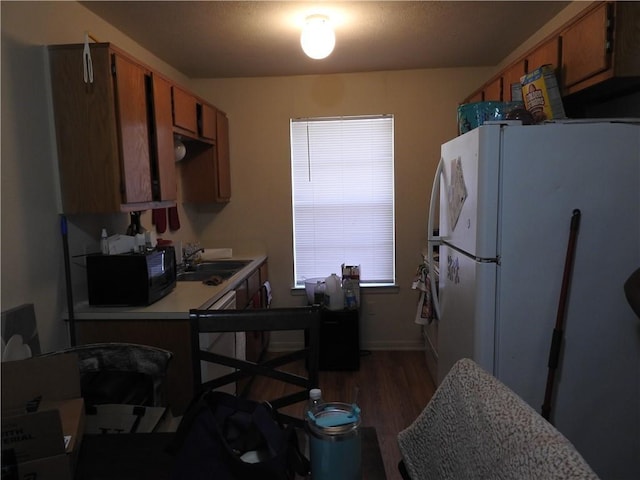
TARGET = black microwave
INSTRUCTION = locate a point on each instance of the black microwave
(131, 279)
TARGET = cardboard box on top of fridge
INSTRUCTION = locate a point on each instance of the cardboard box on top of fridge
(541, 94)
(42, 415)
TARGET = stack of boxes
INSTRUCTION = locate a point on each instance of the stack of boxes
(42, 417)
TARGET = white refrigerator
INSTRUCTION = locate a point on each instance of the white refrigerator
(506, 198)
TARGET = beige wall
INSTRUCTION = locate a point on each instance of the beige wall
(422, 101)
(31, 263)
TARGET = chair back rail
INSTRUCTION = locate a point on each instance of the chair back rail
(124, 357)
(268, 319)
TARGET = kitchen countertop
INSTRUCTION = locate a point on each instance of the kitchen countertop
(176, 305)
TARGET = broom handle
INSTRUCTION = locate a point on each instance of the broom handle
(556, 340)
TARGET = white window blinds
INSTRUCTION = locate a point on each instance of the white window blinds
(343, 198)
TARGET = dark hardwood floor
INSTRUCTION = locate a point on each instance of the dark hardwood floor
(393, 388)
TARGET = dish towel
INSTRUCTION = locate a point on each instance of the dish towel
(267, 293)
(174, 220)
(425, 313)
(159, 219)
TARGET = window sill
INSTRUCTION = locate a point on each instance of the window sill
(364, 290)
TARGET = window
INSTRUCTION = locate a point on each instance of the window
(343, 199)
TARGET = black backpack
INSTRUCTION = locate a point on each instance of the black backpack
(224, 437)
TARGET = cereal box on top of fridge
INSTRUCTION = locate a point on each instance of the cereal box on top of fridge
(541, 94)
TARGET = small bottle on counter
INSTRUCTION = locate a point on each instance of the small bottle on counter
(104, 245)
(350, 300)
(315, 399)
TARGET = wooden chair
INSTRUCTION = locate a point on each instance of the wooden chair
(272, 319)
(123, 373)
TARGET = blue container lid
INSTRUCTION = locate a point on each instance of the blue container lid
(332, 415)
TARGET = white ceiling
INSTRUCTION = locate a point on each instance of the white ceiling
(216, 39)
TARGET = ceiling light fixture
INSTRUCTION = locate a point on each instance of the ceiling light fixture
(318, 38)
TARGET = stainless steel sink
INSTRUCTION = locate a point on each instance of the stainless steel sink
(212, 272)
(226, 265)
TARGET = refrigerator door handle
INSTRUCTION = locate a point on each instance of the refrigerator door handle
(433, 240)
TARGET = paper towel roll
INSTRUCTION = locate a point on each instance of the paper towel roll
(216, 253)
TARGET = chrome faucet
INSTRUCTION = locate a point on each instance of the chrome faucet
(186, 258)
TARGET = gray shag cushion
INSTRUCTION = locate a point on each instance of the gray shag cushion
(475, 427)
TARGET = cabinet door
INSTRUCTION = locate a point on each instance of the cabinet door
(208, 122)
(493, 90)
(133, 130)
(223, 167)
(164, 150)
(511, 79)
(242, 296)
(198, 173)
(264, 272)
(206, 173)
(585, 47)
(546, 54)
(184, 110)
(253, 285)
(85, 121)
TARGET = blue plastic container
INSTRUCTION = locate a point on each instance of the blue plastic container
(335, 445)
(472, 115)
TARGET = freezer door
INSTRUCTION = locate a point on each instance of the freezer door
(466, 328)
(469, 191)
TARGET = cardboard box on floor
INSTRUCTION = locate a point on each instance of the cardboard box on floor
(42, 417)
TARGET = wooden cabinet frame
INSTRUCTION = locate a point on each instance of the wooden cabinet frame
(598, 48)
(115, 135)
(112, 144)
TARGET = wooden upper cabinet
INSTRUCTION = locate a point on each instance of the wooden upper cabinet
(586, 47)
(493, 90)
(602, 45)
(115, 135)
(207, 121)
(548, 53)
(599, 48)
(510, 77)
(184, 111)
(104, 131)
(165, 184)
